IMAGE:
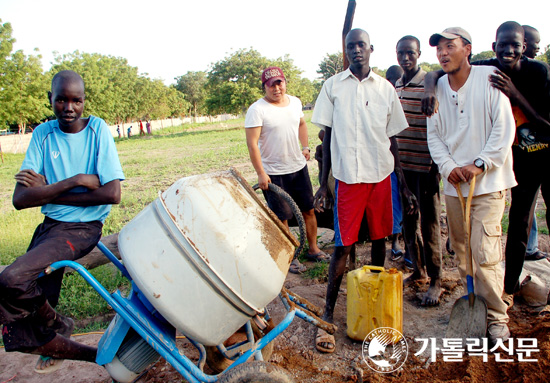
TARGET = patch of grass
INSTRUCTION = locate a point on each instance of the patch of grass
(504, 223)
(92, 327)
(319, 271)
(79, 300)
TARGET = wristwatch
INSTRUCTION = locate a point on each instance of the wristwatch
(306, 148)
(479, 163)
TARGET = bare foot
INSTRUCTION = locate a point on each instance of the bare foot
(415, 277)
(431, 298)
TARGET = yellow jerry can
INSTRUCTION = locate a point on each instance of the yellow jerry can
(374, 300)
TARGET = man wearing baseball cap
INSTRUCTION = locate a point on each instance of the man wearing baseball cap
(527, 84)
(277, 140)
(470, 137)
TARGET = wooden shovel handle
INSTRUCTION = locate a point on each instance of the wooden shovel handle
(466, 207)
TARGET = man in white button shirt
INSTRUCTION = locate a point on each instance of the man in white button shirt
(471, 136)
(359, 112)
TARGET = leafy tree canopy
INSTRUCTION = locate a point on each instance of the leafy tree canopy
(485, 55)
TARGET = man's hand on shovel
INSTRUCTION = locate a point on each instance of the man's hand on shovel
(463, 174)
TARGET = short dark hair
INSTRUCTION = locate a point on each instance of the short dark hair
(510, 26)
(411, 38)
(67, 75)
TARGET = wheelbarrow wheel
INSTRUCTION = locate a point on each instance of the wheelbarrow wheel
(218, 362)
(256, 372)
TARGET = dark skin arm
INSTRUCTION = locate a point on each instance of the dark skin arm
(32, 190)
(503, 83)
(321, 201)
(429, 101)
(411, 202)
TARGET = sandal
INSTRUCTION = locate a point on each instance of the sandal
(296, 267)
(50, 368)
(396, 255)
(545, 311)
(536, 256)
(324, 337)
(508, 300)
(321, 256)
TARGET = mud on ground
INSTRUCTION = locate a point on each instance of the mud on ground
(294, 350)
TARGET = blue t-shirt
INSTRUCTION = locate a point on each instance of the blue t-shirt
(58, 156)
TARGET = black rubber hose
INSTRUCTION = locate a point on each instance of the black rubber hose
(295, 210)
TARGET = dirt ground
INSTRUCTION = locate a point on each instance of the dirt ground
(295, 352)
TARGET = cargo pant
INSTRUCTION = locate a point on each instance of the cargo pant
(486, 231)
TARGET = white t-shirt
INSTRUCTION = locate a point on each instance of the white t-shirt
(279, 142)
(363, 116)
(474, 122)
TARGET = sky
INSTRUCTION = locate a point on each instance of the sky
(166, 39)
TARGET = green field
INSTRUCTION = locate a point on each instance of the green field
(151, 164)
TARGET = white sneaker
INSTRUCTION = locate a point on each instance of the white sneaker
(498, 331)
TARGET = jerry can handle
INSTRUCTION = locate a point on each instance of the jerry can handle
(368, 267)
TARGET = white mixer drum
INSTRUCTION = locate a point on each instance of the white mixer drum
(207, 254)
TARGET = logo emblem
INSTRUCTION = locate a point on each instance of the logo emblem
(55, 154)
(385, 349)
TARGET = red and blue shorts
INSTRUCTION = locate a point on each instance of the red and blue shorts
(371, 200)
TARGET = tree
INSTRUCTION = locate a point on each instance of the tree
(545, 56)
(429, 67)
(23, 87)
(331, 64)
(485, 55)
(193, 86)
(110, 84)
(233, 83)
(24, 99)
(296, 85)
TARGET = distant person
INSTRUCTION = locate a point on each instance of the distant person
(360, 113)
(277, 140)
(148, 127)
(75, 184)
(532, 41)
(129, 131)
(141, 132)
(118, 131)
(421, 230)
(471, 136)
(393, 74)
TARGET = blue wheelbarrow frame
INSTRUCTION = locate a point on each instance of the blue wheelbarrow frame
(137, 313)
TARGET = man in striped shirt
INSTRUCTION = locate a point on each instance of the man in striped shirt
(421, 229)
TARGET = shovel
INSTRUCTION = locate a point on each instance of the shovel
(469, 315)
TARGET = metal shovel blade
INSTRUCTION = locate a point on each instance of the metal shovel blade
(468, 320)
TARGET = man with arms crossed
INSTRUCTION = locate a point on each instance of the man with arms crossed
(72, 170)
(471, 136)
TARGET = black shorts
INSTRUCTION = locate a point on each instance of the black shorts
(298, 186)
